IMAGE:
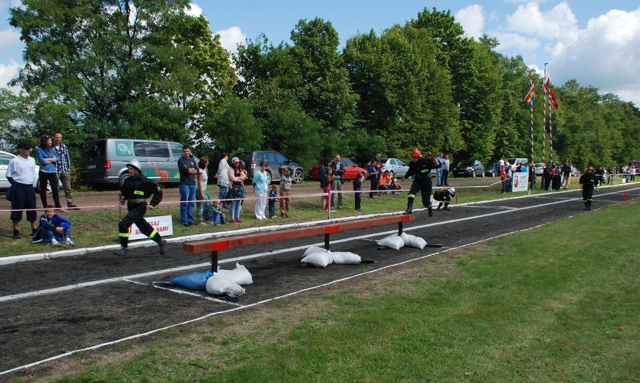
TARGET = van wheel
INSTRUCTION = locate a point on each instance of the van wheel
(298, 176)
(123, 177)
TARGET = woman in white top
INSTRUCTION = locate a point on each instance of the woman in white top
(202, 194)
(223, 179)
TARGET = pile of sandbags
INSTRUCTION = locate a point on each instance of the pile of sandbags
(396, 241)
(319, 257)
(222, 282)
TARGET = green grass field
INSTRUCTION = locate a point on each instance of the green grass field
(558, 303)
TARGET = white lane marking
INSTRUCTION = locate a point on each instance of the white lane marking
(494, 207)
(195, 295)
(281, 251)
(252, 304)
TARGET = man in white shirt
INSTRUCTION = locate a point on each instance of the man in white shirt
(20, 174)
(445, 170)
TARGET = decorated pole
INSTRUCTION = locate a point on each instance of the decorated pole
(547, 89)
(545, 101)
(529, 98)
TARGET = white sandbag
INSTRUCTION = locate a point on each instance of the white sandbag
(345, 258)
(314, 249)
(223, 285)
(318, 259)
(405, 237)
(239, 275)
(413, 241)
(393, 242)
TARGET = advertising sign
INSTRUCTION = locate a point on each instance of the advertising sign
(520, 181)
(163, 224)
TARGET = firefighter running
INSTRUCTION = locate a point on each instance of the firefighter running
(420, 168)
(135, 190)
(444, 196)
(588, 181)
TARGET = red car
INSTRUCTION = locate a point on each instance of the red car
(351, 170)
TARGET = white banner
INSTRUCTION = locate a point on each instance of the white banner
(520, 181)
(162, 224)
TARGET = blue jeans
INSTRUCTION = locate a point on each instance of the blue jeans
(187, 193)
(49, 234)
(222, 194)
(234, 210)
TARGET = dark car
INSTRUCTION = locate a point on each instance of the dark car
(492, 169)
(351, 170)
(469, 168)
(251, 161)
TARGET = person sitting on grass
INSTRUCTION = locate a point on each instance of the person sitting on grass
(216, 217)
(385, 182)
(395, 185)
(53, 229)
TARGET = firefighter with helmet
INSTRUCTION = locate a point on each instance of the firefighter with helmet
(444, 195)
(588, 182)
(419, 168)
(135, 190)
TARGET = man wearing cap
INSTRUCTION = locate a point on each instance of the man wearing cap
(21, 174)
(135, 190)
(420, 168)
(588, 181)
(188, 173)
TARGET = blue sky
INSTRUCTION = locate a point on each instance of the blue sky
(595, 42)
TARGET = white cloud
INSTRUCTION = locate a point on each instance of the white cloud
(516, 42)
(8, 73)
(194, 11)
(472, 20)
(16, 3)
(9, 37)
(558, 23)
(230, 38)
(605, 54)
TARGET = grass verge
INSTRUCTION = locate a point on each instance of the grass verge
(560, 308)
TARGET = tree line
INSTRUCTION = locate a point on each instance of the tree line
(147, 69)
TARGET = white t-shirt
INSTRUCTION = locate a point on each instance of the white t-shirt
(446, 164)
(205, 178)
(22, 170)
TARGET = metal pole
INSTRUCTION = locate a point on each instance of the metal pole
(399, 228)
(326, 241)
(214, 261)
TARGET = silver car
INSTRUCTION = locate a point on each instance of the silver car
(5, 157)
(394, 165)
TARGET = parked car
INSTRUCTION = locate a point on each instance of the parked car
(492, 169)
(104, 161)
(5, 157)
(351, 170)
(514, 162)
(251, 162)
(394, 165)
(538, 168)
(469, 168)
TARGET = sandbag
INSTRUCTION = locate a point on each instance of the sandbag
(313, 249)
(393, 242)
(345, 258)
(223, 285)
(405, 237)
(318, 259)
(239, 275)
(194, 281)
(413, 241)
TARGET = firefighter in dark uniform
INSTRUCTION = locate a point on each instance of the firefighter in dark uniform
(420, 168)
(588, 182)
(444, 196)
(135, 190)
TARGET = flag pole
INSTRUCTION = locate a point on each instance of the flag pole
(544, 119)
(548, 93)
(532, 140)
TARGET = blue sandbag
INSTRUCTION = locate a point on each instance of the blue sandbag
(194, 281)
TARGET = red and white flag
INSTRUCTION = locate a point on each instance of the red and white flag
(547, 83)
(553, 99)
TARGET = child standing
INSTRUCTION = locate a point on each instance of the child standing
(53, 229)
(273, 198)
(357, 186)
(215, 214)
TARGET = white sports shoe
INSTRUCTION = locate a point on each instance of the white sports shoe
(54, 242)
(70, 242)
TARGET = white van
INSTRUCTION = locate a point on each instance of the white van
(515, 162)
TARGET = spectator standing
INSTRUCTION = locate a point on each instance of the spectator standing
(20, 174)
(547, 177)
(285, 190)
(202, 193)
(557, 179)
(260, 183)
(188, 178)
(222, 177)
(509, 170)
(532, 177)
(322, 171)
(373, 177)
(445, 170)
(236, 189)
(135, 190)
(357, 187)
(632, 173)
(503, 178)
(63, 168)
(327, 180)
(47, 159)
(566, 172)
(378, 163)
(440, 158)
(273, 198)
(336, 186)
(53, 229)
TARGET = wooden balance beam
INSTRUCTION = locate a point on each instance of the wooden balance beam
(219, 244)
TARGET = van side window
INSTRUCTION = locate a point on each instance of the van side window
(130, 148)
(157, 149)
(176, 149)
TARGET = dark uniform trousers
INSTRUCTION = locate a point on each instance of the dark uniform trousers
(136, 215)
(423, 184)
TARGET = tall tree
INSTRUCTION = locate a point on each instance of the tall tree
(122, 68)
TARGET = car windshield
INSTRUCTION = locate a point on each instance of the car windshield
(5, 158)
(465, 164)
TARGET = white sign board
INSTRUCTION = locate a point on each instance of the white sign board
(520, 181)
(163, 225)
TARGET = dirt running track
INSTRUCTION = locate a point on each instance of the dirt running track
(44, 325)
